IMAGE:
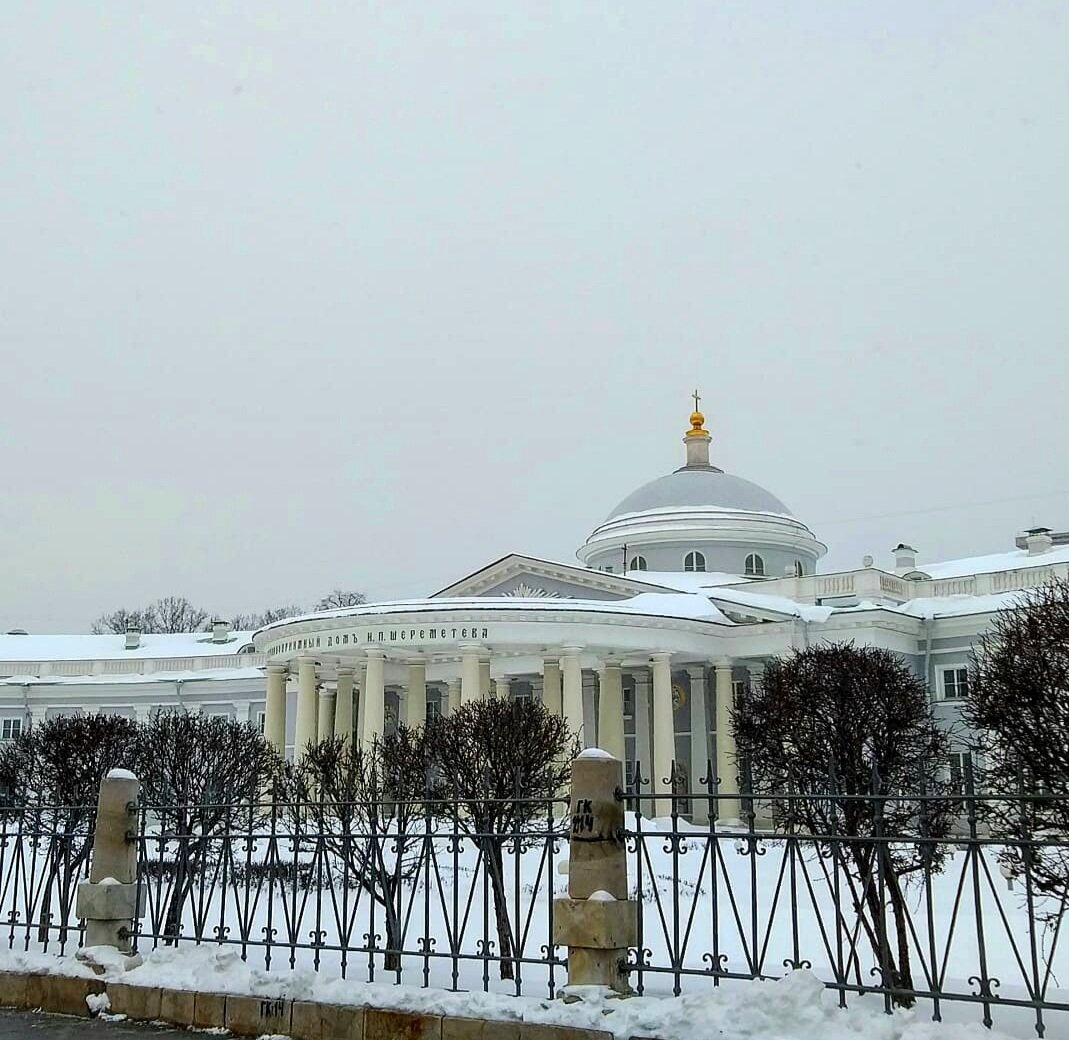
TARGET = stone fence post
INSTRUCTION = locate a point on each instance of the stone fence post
(597, 922)
(108, 900)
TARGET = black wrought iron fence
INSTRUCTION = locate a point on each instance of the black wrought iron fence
(416, 892)
(878, 902)
(964, 920)
(44, 856)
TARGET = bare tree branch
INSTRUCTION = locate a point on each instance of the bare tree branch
(1018, 703)
(340, 598)
(842, 742)
(500, 757)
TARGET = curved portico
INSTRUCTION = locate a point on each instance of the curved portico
(630, 676)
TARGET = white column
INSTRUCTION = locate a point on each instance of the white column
(243, 711)
(343, 705)
(590, 704)
(275, 709)
(611, 710)
(470, 675)
(373, 697)
(551, 694)
(643, 724)
(572, 699)
(325, 728)
(359, 690)
(416, 694)
(306, 705)
(503, 687)
(453, 697)
(726, 764)
(699, 741)
(664, 734)
(484, 676)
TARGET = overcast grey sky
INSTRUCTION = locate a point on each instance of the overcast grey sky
(303, 295)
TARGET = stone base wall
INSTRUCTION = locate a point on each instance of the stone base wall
(256, 1016)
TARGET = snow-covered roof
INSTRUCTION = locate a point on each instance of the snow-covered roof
(1015, 559)
(680, 605)
(957, 606)
(744, 598)
(113, 647)
(205, 675)
(685, 581)
(586, 576)
(688, 487)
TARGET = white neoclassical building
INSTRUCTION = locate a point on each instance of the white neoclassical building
(675, 601)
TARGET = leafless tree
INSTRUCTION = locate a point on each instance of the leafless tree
(168, 614)
(118, 621)
(63, 760)
(340, 598)
(1018, 706)
(203, 776)
(248, 622)
(14, 778)
(177, 614)
(841, 740)
(366, 806)
(500, 758)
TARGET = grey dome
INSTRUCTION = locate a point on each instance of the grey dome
(700, 487)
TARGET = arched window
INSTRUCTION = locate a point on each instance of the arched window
(799, 569)
(755, 565)
(694, 561)
(638, 563)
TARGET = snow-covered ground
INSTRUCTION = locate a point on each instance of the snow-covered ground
(796, 1007)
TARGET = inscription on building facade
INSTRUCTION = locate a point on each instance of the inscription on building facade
(372, 636)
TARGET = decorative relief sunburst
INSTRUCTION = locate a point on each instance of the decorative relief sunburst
(525, 591)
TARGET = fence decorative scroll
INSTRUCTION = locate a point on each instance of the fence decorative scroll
(434, 904)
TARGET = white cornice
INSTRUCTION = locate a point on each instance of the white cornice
(694, 525)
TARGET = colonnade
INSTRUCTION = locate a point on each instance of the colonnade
(323, 711)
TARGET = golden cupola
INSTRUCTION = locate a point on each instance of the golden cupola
(697, 439)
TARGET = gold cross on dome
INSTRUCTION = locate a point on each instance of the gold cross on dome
(697, 400)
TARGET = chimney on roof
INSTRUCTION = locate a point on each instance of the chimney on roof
(905, 559)
(1038, 540)
(133, 636)
(220, 630)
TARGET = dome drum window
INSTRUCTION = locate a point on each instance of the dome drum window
(754, 566)
(694, 561)
(637, 563)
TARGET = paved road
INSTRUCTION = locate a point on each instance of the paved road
(17, 1025)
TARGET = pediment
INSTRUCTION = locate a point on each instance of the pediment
(529, 578)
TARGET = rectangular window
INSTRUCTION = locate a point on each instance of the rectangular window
(962, 767)
(261, 720)
(10, 729)
(955, 683)
(629, 764)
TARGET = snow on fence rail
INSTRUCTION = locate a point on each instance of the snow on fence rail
(428, 893)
